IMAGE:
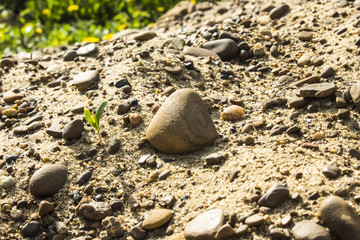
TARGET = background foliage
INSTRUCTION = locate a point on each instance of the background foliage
(32, 24)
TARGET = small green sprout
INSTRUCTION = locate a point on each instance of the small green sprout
(94, 119)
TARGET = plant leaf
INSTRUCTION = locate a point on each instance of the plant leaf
(99, 112)
(88, 117)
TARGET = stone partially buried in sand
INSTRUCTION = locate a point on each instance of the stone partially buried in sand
(86, 80)
(308, 230)
(182, 124)
(319, 90)
(156, 219)
(48, 180)
(340, 218)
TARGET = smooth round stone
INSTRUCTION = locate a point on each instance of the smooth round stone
(308, 230)
(355, 94)
(114, 146)
(303, 60)
(95, 211)
(10, 112)
(205, 226)
(182, 124)
(318, 90)
(86, 80)
(48, 180)
(233, 113)
(8, 182)
(327, 72)
(45, 207)
(11, 97)
(274, 51)
(225, 48)
(278, 11)
(70, 55)
(331, 171)
(144, 35)
(73, 130)
(340, 218)
(87, 49)
(254, 220)
(274, 196)
(138, 232)
(156, 218)
(225, 232)
(317, 136)
(306, 36)
(30, 229)
(84, 178)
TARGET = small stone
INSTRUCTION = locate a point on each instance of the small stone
(214, 159)
(73, 130)
(123, 108)
(11, 97)
(31, 229)
(156, 218)
(114, 146)
(200, 52)
(138, 232)
(258, 50)
(327, 72)
(113, 227)
(249, 140)
(343, 114)
(88, 49)
(308, 230)
(225, 48)
(340, 218)
(175, 70)
(135, 119)
(279, 233)
(233, 174)
(278, 11)
(84, 178)
(319, 90)
(317, 136)
(242, 229)
(61, 227)
(48, 180)
(86, 80)
(354, 153)
(303, 60)
(144, 35)
(10, 112)
(278, 129)
(8, 182)
(274, 51)
(248, 128)
(70, 55)
(274, 196)
(52, 131)
(233, 113)
(205, 226)
(254, 220)
(306, 36)
(45, 207)
(95, 211)
(225, 232)
(293, 130)
(355, 94)
(331, 171)
(298, 102)
(310, 146)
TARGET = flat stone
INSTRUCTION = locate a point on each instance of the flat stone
(205, 226)
(182, 124)
(54, 132)
(303, 60)
(88, 49)
(355, 94)
(278, 129)
(354, 153)
(31, 229)
(45, 207)
(10, 113)
(298, 102)
(274, 196)
(327, 72)
(293, 129)
(214, 158)
(48, 180)
(340, 218)
(156, 218)
(254, 220)
(70, 55)
(173, 70)
(308, 230)
(200, 52)
(308, 80)
(86, 80)
(225, 48)
(312, 146)
(331, 171)
(138, 232)
(114, 146)
(95, 211)
(20, 130)
(84, 178)
(11, 97)
(73, 130)
(306, 36)
(144, 35)
(319, 90)
(278, 11)
(225, 232)
(8, 182)
(57, 69)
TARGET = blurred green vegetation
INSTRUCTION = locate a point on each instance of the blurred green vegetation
(32, 24)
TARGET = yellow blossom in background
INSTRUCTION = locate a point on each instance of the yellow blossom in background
(193, 1)
(123, 26)
(160, 9)
(46, 11)
(108, 36)
(91, 39)
(152, 24)
(39, 30)
(73, 8)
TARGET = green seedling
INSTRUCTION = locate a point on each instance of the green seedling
(94, 118)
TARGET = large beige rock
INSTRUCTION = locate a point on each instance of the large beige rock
(182, 124)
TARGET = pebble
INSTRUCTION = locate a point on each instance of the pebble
(242, 229)
(95, 211)
(10, 112)
(45, 207)
(182, 124)
(303, 60)
(214, 159)
(233, 113)
(86, 80)
(73, 130)
(156, 218)
(274, 196)
(327, 72)
(84, 178)
(319, 90)
(70, 55)
(88, 49)
(354, 153)
(279, 233)
(205, 226)
(293, 130)
(144, 35)
(249, 140)
(310, 146)
(31, 229)
(135, 119)
(254, 220)
(274, 51)
(175, 70)
(355, 94)
(308, 230)
(331, 171)
(278, 129)
(10, 97)
(48, 180)
(278, 11)
(308, 80)
(340, 218)
(306, 36)
(258, 50)
(225, 232)
(61, 227)
(298, 102)
(123, 108)
(8, 182)
(138, 232)
(52, 131)
(200, 52)
(114, 146)
(317, 136)
(248, 128)
(225, 48)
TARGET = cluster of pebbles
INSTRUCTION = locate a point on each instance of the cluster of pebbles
(226, 120)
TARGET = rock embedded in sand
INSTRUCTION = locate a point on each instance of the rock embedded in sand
(278, 11)
(308, 230)
(144, 35)
(225, 48)
(305, 36)
(86, 80)
(88, 49)
(318, 90)
(73, 130)
(11, 97)
(48, 180)
(233, 113)
(156, 218)
(70, 55)
(31, 229)
(182, 124)
(355, 94)
(274, 196)
(205, 226)
(95, 211)
(199, 52)
(45, 207)
(340, 218)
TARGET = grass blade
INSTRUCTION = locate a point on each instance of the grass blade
(99, 112)
(88, 117)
